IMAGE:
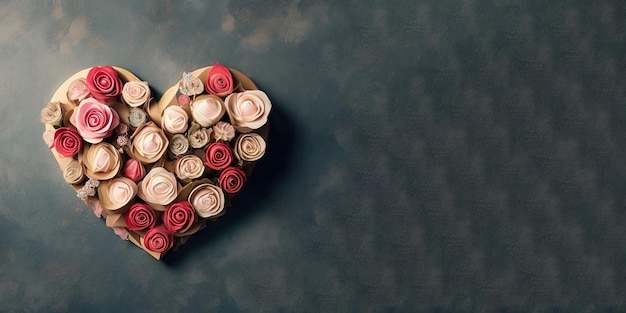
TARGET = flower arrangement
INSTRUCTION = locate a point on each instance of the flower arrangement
(157, 171)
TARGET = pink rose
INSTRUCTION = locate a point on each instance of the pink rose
(78, 90)
(134, 170)
(136, 93)
(248, 110)
(175, 120)
(218, 156)
(219, 81)
(95, 120)
(232, 179)
(140, 216)
(67, 141)
(158, 239)
(179, 217)
(207, 110)
(103, 82)
(148, 143)
(158, 188)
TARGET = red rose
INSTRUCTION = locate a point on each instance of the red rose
(67, 141)
(232, 179)
(103, 82)
(179, 217)
(158, 239)
(140, 216)
(134, 170)
(218, 156)
(219, 82)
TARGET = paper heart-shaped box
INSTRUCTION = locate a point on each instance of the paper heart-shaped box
(157, 170)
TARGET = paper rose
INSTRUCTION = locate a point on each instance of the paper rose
(134, 170)
(179, 217)
(223, 131)
(218, 156)
(148, 143)
(95, 120)
(207, 200)
(179, 145)
(248, 110)
(103, 82)
(158, 188)
(102, 161)
(207, 110)
(232, 179)
(73, 173)
(175, 120)
(190, 85)
(116, 193)
(67, 141)
(158, 239)
(188, 167)
(140, 216)
(219, 81)
(78, 90)
(52, 114)
(137, 117)
(198, 136)
(136, 93)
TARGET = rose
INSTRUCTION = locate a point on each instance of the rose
(207, 200)
(188, 167)
(249, 147)
(116, 193)
(219, 81)
(102, 161)
(179, 145)
(140, 216)
(158, 239)
(175, 120)
(184, 100)
(78, 90)
(73, 172)
(52, 114)
(218, 156)
(136, 93)
(158, 188)
(95, 120)
(103, 82)
(248, 110)
(198, 136)
(134, 170)
(48, 138)
(179, 217)
(67, 141)
(223, 131)
(207, 110)
(232, 179)
(137, 117)
(148, 143)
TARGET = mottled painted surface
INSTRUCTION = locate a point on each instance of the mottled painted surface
(424, 155)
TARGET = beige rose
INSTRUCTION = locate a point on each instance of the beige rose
(248, 110)
(223, 131)
(116, 193)
(52, 114)
(179, 145)
(73, 173)
(207, 110)
(159, 188)
(249, 147)
(102, 161)
(207, 200)
(189, 167)
(175, 120)
(148, 143)
(198, 136)
(136, 93)
(78, 90)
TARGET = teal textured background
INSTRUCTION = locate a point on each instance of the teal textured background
(424, 156)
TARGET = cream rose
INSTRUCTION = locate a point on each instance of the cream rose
(248, 110)
(158, 188)
(52, 114)
(207, 110)
(179, 145)
(116, 193)
(189, 167)
(175, 120)
(207, 200)
(223, 131)
(137, 117)
(198, 136)
(136, 93)
(78, 90)
(249, 147)
(148, 143)
(102, 161)
(73, 173)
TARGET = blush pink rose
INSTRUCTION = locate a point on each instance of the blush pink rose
(179, 217)
(67, 141)
(219, 81)
(158, 239)
(103, 82)
(134, 170)
(78, 90)
(218, 156)
(95, 120)
(232, 179)
(140, 216)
